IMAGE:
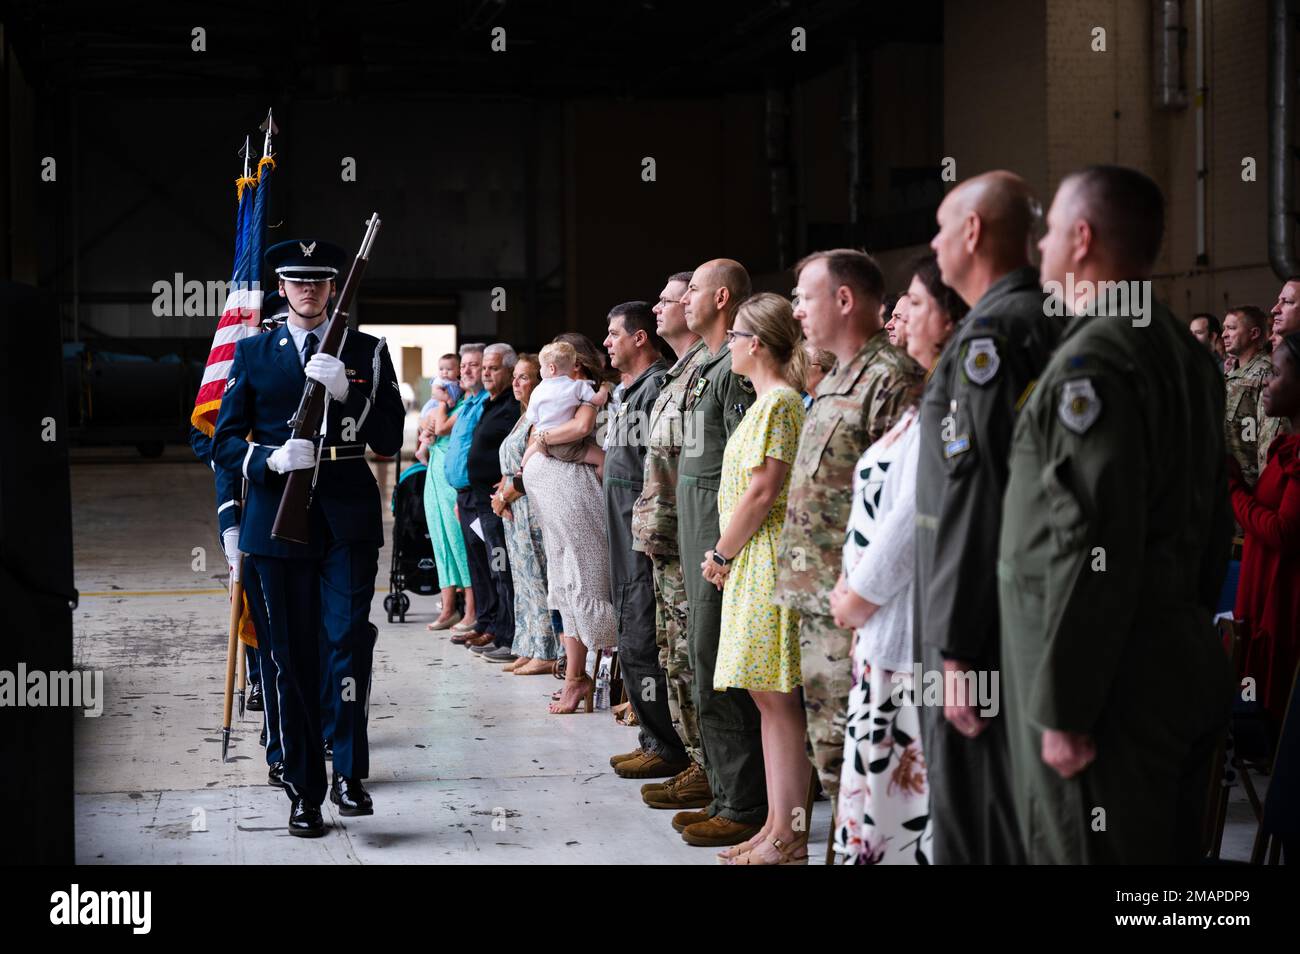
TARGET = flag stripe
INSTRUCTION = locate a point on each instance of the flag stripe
(242, 313)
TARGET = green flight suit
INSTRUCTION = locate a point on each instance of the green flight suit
(1115, 537)
(716, 399)
(967, 415)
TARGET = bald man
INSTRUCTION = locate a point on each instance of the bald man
(1115, 536)
(715, 400)
(967, 414)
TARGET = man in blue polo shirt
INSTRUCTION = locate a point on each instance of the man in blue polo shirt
(456, 469)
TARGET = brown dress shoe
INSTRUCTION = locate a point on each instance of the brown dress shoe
(718, 832)
(646, 765)
(483, 640)
(682, 819)
(615, 759)
(690, 792)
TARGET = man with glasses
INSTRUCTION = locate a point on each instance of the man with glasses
(654, 532)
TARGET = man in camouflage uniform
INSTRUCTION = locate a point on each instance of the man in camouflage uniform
(1244, 336)
(967, 414)
(1115, 533)
(838, 304)
(654, 532)
(716, 399)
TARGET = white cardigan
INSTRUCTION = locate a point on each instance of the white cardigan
(879, 545)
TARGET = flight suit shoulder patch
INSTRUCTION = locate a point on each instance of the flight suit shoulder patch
(1080, 405)
(982, 361)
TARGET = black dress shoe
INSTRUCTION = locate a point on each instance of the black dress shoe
(350, 797)
(329, 748)
(305, 820)
(254, 698)
(276, 775)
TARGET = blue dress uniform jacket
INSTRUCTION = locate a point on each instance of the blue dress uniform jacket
(262, 394)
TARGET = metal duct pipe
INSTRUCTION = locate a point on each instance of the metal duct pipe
(853, 137)
(777, 135)
(1281, 160)
(1202, 161)
(1171, 92)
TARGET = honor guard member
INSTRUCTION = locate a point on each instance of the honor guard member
(716, 399)
(1115, 534)
(321, 589)
(654, 532)
(967, 414)
(633, 349)
(838, 304)
(230, 495)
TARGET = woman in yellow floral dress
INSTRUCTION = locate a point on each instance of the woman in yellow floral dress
(759, 647)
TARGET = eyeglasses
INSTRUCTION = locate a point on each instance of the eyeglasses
(733, 334)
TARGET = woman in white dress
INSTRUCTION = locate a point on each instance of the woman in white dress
(883, 811)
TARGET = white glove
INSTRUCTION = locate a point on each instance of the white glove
(329, 371)
(298, 453)
(230, 543)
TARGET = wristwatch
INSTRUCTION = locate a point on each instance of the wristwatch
(720, 560)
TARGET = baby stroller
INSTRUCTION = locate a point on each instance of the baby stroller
(413, 567)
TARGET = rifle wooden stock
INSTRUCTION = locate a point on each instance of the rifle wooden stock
(291, 518)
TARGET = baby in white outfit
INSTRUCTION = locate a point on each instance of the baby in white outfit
(555, 401)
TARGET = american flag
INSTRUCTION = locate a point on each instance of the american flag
(243, 309)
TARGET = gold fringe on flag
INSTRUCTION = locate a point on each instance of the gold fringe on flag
(247, 634)
(240, 183)
(264, 161)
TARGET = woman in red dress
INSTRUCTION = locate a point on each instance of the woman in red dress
(1268, 596)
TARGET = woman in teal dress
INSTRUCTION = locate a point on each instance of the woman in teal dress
(440, 512)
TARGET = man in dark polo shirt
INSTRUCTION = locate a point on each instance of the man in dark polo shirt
(496, 611)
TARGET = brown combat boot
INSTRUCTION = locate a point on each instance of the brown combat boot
(615, 759)
(647, 765)
(677, 779)
(718, 832)
(682, 819)
(689, 791)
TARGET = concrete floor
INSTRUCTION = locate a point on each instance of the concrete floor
(467, 765)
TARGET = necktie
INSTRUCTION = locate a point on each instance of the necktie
(308, 348)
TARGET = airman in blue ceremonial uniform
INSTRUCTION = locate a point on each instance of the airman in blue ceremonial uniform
(321, 589)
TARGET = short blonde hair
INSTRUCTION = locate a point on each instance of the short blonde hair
(559, 353)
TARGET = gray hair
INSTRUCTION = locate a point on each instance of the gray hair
(471, 349)
(508, 356)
